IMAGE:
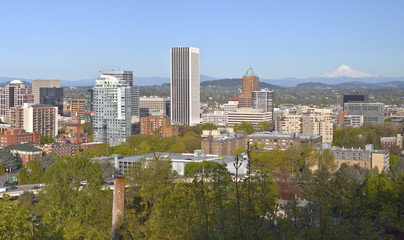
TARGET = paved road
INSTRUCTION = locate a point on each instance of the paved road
(21, 189)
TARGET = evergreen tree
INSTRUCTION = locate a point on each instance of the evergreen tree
(9, 160)
(23, 177)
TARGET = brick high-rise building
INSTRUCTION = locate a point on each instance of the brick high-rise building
(15, 94)
(149, 125)
(250, 84)
(37, 118)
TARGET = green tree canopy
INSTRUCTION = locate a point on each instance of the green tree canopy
(244, 126)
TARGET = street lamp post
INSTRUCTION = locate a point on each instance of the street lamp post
(7, 170)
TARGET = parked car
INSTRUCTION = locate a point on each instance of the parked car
(3, 190)
(42, 185)
(35, 187)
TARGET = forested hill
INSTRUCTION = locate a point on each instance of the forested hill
(234, 82)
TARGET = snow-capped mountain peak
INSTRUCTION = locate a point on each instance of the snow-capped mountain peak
(346, 71)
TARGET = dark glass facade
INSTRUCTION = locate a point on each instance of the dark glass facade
(53, 97)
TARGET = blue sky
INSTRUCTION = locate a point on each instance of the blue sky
(73, 40)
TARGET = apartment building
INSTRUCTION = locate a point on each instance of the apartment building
(366, 158)
(282, 141)
(389, 142)
(289, 123)
(14, 94)
(151, 124)
(38, 118)
(223, 145)
(112, 108)
(60, 149)
(219, 118)
(310, 123)
(318, 124)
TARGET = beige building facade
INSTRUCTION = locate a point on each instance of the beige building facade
(43, 83)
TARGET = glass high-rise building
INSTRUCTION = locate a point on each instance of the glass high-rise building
(37, 84)
(185, 86)
(127, 76)
(263, 100)
(52, 96)
(112, 110)
(89, 105)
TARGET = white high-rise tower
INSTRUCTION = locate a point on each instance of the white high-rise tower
(127, 76)
(112, 110)
(185, 86)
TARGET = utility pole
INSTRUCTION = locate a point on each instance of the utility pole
(118, 201)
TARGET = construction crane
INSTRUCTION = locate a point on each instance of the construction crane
(78, 113)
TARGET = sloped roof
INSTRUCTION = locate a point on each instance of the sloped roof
(27, 147)
(250, 73)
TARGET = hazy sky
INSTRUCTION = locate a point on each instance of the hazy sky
(73, 40)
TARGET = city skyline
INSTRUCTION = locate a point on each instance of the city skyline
(278, 39)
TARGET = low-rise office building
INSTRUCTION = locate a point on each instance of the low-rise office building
(219, 118)
(249, 115)
(16, 136)
(26, 152)
(372, 112)
(178, 161)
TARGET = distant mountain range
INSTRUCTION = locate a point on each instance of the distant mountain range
(234, 82)
(141, 81)
(351, 85)
(343, 77)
